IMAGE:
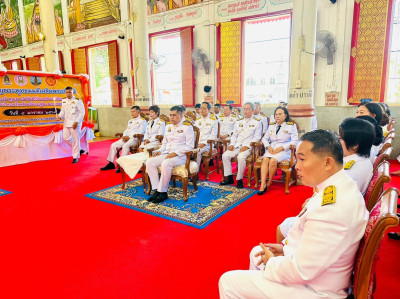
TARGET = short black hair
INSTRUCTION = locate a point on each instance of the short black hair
(257, 103)
(385, 114)
(156, 109)
(177, 108)
(325, 143)
(183, 108)
(230, 107)
(68, 88)
(374, 108)
(217, 105)
(378, 129)
(357, 132)
(135, 107)
(197, 106)
(284, 110)
(207, 104)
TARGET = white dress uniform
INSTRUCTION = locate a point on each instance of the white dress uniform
(72, 110)
(359, 169)
(319, 251)
(178, 139)
(286, 136)
(246, 131)
(135, 126)
(132, 163)
(208, 130)
(217, 116)
(227, 124)
(264, 121)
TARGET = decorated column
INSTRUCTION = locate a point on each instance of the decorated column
(302, 60)
(141, 53)
(50, 37)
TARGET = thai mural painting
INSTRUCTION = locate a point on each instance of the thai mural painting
(32, 19)
(10, 32)
(86, 14)
(157, 6)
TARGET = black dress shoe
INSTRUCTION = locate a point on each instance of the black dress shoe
(82, 152)
(154, 194)
(108, 166)
(239, 184)
(118, 170)
(229, 180)
(211, 163)
(75, 160)
(262, 192)
(394, 236)
(161, 196)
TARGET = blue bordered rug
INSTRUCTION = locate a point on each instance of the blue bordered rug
(4, 192)
(203, 207)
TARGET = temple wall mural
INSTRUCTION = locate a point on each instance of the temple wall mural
(10, 32)
(157, 6)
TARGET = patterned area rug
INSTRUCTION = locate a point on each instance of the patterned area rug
(4, 192)
(203, 207)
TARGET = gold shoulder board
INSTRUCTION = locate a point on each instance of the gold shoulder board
(187, 123)
(273, 123)
(329, 195)
(349, 164)
(290, 123)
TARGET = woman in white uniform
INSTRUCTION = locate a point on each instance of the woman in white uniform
(280, 135)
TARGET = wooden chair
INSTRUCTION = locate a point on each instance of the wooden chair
(375, 187)
(191, 117)
(390, 135)
(249, 161)
(212, 154)
(289, 174)
(382, 157)
(382, 216)
(386, 145)
(391, 124)
(182, 172)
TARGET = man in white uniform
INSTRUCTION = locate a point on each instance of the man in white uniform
(217, 111)
(316, 259)
(178, 139)
(155, 126)
(246, 131)
(227, 122)
(73, 111)
(262, 118)
(136, 125)
(208, 126)
(197, 110)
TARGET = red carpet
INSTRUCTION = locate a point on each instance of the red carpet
(57, 243)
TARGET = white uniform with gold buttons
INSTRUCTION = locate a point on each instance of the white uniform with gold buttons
(319, 251)
(72, 110)
(227, 124)
(208, 131)
(178, 139)
(286, 136)
(264, 121)
(132, 163)
(245, 132)
(135, 126)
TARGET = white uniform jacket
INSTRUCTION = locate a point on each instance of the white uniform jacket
(246, 131)
(321, 246)
(286, 136)
(72, 110)
(359, 169)
(227, 124)
(208, 128)
(153, 128)
(264, 121)
(178, 138)
(217, 116)
(135, 126)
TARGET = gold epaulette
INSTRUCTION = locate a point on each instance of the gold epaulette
(263, 114)
(212, 117)
(290, 123)
(234, 115)
(198, 118)
(142, 118)
(256, 118)
(187, 123)
(168, 123)
(329, 195)
(273, 123)
(349, 164)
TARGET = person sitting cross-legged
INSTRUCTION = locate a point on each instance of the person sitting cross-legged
(316, 259)
(246, 131)
(155, 126)
(208, 126)
(178, 139)
(137, 125)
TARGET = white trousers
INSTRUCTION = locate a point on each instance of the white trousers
(241, 157)
(69, 133)
(118, 144)
(200, 152)
(162, 183)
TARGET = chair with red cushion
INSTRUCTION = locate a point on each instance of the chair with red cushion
(375, 187)
(382, 216)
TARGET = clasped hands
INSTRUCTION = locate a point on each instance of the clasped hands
(242, 149)
(275, 151)
(268, 251)
(169, 156)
